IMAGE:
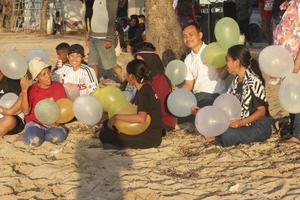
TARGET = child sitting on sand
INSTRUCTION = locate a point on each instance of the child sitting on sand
(248, 87)
(76, 74)
(10, 122)
(43, 88)
(147, 104)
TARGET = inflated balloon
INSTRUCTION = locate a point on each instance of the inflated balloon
(214, 55)
(72, 93)
(176, 71)
(8, 100)
(37, 52)
(230, 105)
(211, 121)
(180, 102)
(132, 128)
(13, 65)
(111, 98)
(47, 111)
(289, 93)
(66, 110)
(275, 61)
(87, 109)
(227, 32)
(116, 108)
(129, 109)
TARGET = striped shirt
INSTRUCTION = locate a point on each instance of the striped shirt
(84, 77)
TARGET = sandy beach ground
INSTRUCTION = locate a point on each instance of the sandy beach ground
(183, 167)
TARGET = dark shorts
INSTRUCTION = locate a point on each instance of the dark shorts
(19, 126)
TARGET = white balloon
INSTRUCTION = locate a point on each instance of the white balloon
(180, 102)
(176, 71)
(13, 65)
(211, 121)
(37, 52)
(230, 105)
(72, 94)
(87, 109)
(276, 61)
(47, 111)
(289, 93)
(8, 99)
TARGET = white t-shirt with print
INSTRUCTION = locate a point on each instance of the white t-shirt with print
(84, 77)
(206, 79)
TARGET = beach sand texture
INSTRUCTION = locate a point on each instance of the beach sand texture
(183, 167)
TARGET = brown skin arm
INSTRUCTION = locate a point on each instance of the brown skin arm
(24, 95)
(297, 63)
(260, 112)
(189, 84)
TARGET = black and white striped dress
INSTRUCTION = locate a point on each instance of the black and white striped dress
(252, 87)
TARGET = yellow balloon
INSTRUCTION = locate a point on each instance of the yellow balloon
(122, 109)
(129, 109)
(116, 108)
(132, 128)
(66, 110)
(111, 98)
(214, 55)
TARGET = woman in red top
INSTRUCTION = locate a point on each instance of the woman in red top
(160, 83)
(35, 131)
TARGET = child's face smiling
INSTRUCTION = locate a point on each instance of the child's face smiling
(75, 60)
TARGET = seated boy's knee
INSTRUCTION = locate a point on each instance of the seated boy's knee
(56, 135)
(34, 136)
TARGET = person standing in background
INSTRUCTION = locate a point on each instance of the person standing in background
(101, 37)
(266, 18)
(244, 11)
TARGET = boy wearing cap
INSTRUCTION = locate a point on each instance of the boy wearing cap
(43, 88)
(76, 74)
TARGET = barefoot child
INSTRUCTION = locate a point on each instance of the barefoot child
(248, 87)
(43, 88)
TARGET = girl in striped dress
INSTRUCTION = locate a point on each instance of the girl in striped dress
(248, 86)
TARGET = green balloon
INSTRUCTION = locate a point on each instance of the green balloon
(227, 32)
(111, 98)
(214, 55)
(176, 71)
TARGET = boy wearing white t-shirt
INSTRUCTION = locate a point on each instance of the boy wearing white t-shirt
(204, 81)
(77, 75)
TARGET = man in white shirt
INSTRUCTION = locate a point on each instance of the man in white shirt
(204, 81)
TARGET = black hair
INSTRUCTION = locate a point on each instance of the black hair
(134, 17)
(242, 53)
(195, 24)
(142, 16)
(135, 45)
(62, 46)
(139, 69)
(146, 46)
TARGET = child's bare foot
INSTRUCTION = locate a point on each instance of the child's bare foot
(210, 138)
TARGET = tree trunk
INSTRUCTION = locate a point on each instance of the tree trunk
(44, 16)
(163, 29)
